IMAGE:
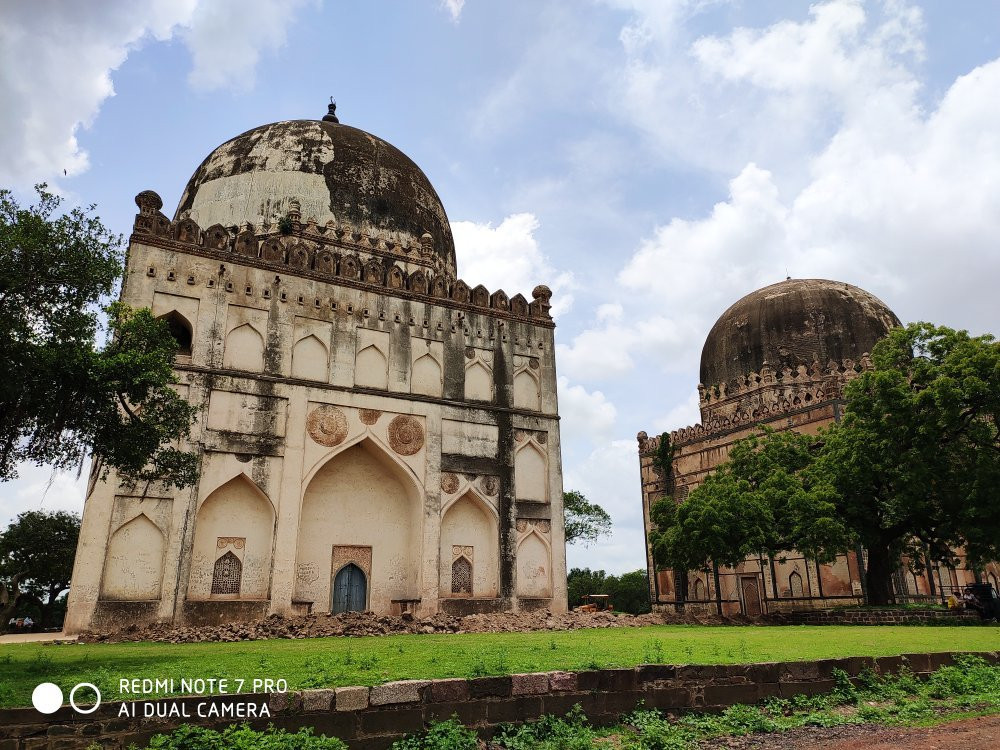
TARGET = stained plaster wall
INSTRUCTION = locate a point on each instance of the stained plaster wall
(258, 388)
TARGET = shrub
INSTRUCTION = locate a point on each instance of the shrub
(442, 735)
(242, 737)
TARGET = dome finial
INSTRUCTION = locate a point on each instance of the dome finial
(331, 112)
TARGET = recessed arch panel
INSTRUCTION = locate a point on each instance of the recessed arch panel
(133, 568)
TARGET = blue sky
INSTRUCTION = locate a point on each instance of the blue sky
(650, 160)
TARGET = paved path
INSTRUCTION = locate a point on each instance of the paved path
(35, 637)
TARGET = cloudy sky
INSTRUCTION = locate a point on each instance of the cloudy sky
(650, 160)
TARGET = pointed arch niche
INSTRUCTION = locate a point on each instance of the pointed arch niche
(244, 349)
(470, 522)
(237, 510)
(371, 369)
(426, 376)
(133, 569)
(361, 497)
(531, 478)
(478, 382)
(526, 391)
(534, 567)
(310, 360)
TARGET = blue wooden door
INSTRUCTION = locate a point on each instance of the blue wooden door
(349, 589)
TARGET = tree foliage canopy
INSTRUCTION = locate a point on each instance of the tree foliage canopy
(584, 521)
(912, 469)
(36, 558)
(628, 592)
(61, 396)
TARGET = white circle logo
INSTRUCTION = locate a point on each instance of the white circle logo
(47, 698)
(72, 696)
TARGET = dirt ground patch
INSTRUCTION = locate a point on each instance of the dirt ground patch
(366, 623)
(979, 733)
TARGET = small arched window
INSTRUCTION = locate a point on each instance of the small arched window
(180, 329)
(227, 574)
(699, 590)
(795, 584)
(461, 576)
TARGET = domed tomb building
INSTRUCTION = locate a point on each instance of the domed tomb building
(374, 432)
(779, 357)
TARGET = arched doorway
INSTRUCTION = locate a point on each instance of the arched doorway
(360, 507)
(350, 590)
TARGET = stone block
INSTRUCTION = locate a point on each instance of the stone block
(617, 680)
(447, 691)
(887, 664)
(812, 687)
(486, 687)
(525, 708)
(562, 681)
(560, 705)
(350, 698)
(798, 671)
(343, 725)
(766, 672)
(656, 672)
(281, 702)
(587, 680)
(401, 691)
(392, 721)
(727, 695)
(529, 684)
(668, 698)
(317, 700)
(619, 702)
(918, 662)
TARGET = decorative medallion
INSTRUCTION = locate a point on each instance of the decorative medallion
(470, 353)
(490, 485)
(327, 425)
(238, 542)
(522, 524)
(533, 363)
(456, 550)
(406, 436)
(467, 551)
(449, 483)
(542, 437)
(543, 526)
(369, 416)
(518, 436)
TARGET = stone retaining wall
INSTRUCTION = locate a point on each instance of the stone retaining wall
(373, 718)
(843, 616)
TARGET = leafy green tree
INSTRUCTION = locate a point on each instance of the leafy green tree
(628, 592)
(36, 555)
(912, 469)
(584, 521)
(62, 397)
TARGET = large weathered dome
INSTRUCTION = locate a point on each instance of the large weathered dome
(336, 173)
(793, 322)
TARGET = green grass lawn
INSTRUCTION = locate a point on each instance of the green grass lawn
(328, 662)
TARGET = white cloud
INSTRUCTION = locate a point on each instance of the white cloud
(56, 61)
(227, 38)
(41, 488)
(585, 413)
(899, 200)
(772, 96)
(507, 257)
(610, 477)
(454, 8)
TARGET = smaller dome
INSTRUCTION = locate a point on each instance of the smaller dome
(791, 323)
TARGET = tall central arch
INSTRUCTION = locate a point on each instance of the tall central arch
(361, 499)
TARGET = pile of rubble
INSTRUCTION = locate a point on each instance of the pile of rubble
(365, 623)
